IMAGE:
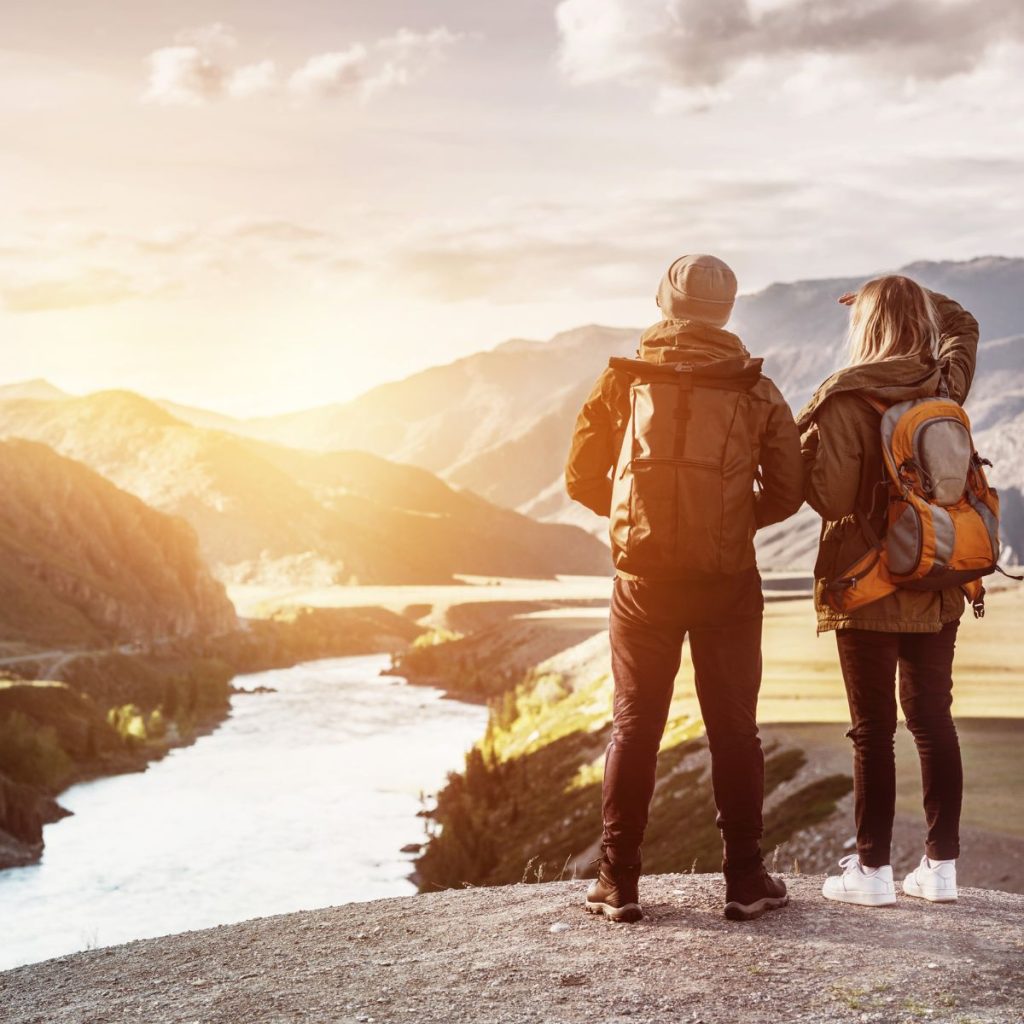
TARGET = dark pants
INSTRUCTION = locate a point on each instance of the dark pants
(869, 660)
(649, 621)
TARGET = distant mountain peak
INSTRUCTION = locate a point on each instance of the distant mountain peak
(592, 332)
(975, 263)
(587, 334)
(38, 388)
(121, 401)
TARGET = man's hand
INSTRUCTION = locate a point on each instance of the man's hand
(848, 299)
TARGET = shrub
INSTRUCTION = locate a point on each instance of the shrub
(31, 753)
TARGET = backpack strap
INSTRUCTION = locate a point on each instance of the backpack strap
(879, 406)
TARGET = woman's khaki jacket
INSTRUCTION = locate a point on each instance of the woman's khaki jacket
(843, 470)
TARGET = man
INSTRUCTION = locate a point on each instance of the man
(705, 452)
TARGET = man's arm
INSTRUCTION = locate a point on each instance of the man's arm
(958, 344)
(596, 439)
(782, 475)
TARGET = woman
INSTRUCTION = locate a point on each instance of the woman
(904, 341)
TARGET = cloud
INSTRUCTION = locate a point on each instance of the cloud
(694, 45)
(253, 80)
(393, 61)
(66, 266)
(95, 287)
(605, 247)
(331, 74)
(183, 76)
(196, 70)
(521, 270)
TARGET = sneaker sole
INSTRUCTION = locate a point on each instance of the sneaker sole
(862, 899)
(623, 915)
(751, 911)
(931, 895)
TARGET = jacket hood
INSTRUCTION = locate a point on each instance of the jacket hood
(890, 381)
(676, 341)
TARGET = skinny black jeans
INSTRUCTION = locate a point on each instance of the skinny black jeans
(869, 660)
(648, 623)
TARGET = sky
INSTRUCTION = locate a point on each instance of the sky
(261, 206)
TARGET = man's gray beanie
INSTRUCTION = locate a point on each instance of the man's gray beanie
(698, 287)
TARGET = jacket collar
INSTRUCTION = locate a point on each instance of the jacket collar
(676, 341)
(889, 380)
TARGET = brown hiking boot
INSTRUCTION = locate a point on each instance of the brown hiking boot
(615, 892)
(753, 893)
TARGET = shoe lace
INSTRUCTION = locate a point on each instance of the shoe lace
(850, 861)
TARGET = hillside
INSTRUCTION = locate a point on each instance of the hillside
(499, 422)
(264, 512)
(496, 955)
(91, 576)
(84, 563)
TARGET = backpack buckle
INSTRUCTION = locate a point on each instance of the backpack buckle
(684, 375)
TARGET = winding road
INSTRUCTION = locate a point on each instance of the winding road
(51, 662)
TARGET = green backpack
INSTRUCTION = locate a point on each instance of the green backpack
(683, 491)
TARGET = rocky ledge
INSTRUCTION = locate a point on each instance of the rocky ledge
(529, 953)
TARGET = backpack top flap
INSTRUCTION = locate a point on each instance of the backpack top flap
(738, 374)
(927, 444)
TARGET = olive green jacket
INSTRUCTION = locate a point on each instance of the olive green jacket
(843, 469)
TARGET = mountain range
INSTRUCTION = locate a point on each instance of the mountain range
(268, 513)
(498, 422)
(350, 491)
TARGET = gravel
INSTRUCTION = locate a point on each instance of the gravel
(494, 955)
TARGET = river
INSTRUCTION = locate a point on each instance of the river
(302, 798)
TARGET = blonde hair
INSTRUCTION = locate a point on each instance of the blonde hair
(892, 317)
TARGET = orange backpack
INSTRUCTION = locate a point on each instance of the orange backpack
(943, 517)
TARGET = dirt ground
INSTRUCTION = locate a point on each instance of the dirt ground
(530, 953)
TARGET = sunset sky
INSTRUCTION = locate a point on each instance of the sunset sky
(258, 206)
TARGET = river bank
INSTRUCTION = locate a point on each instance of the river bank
(303, 797)
(120, 710)
(56, 734)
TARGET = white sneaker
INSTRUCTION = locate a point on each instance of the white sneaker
(867, 887)
(933, 880)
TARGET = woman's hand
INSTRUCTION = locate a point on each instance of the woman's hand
(848, 299)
